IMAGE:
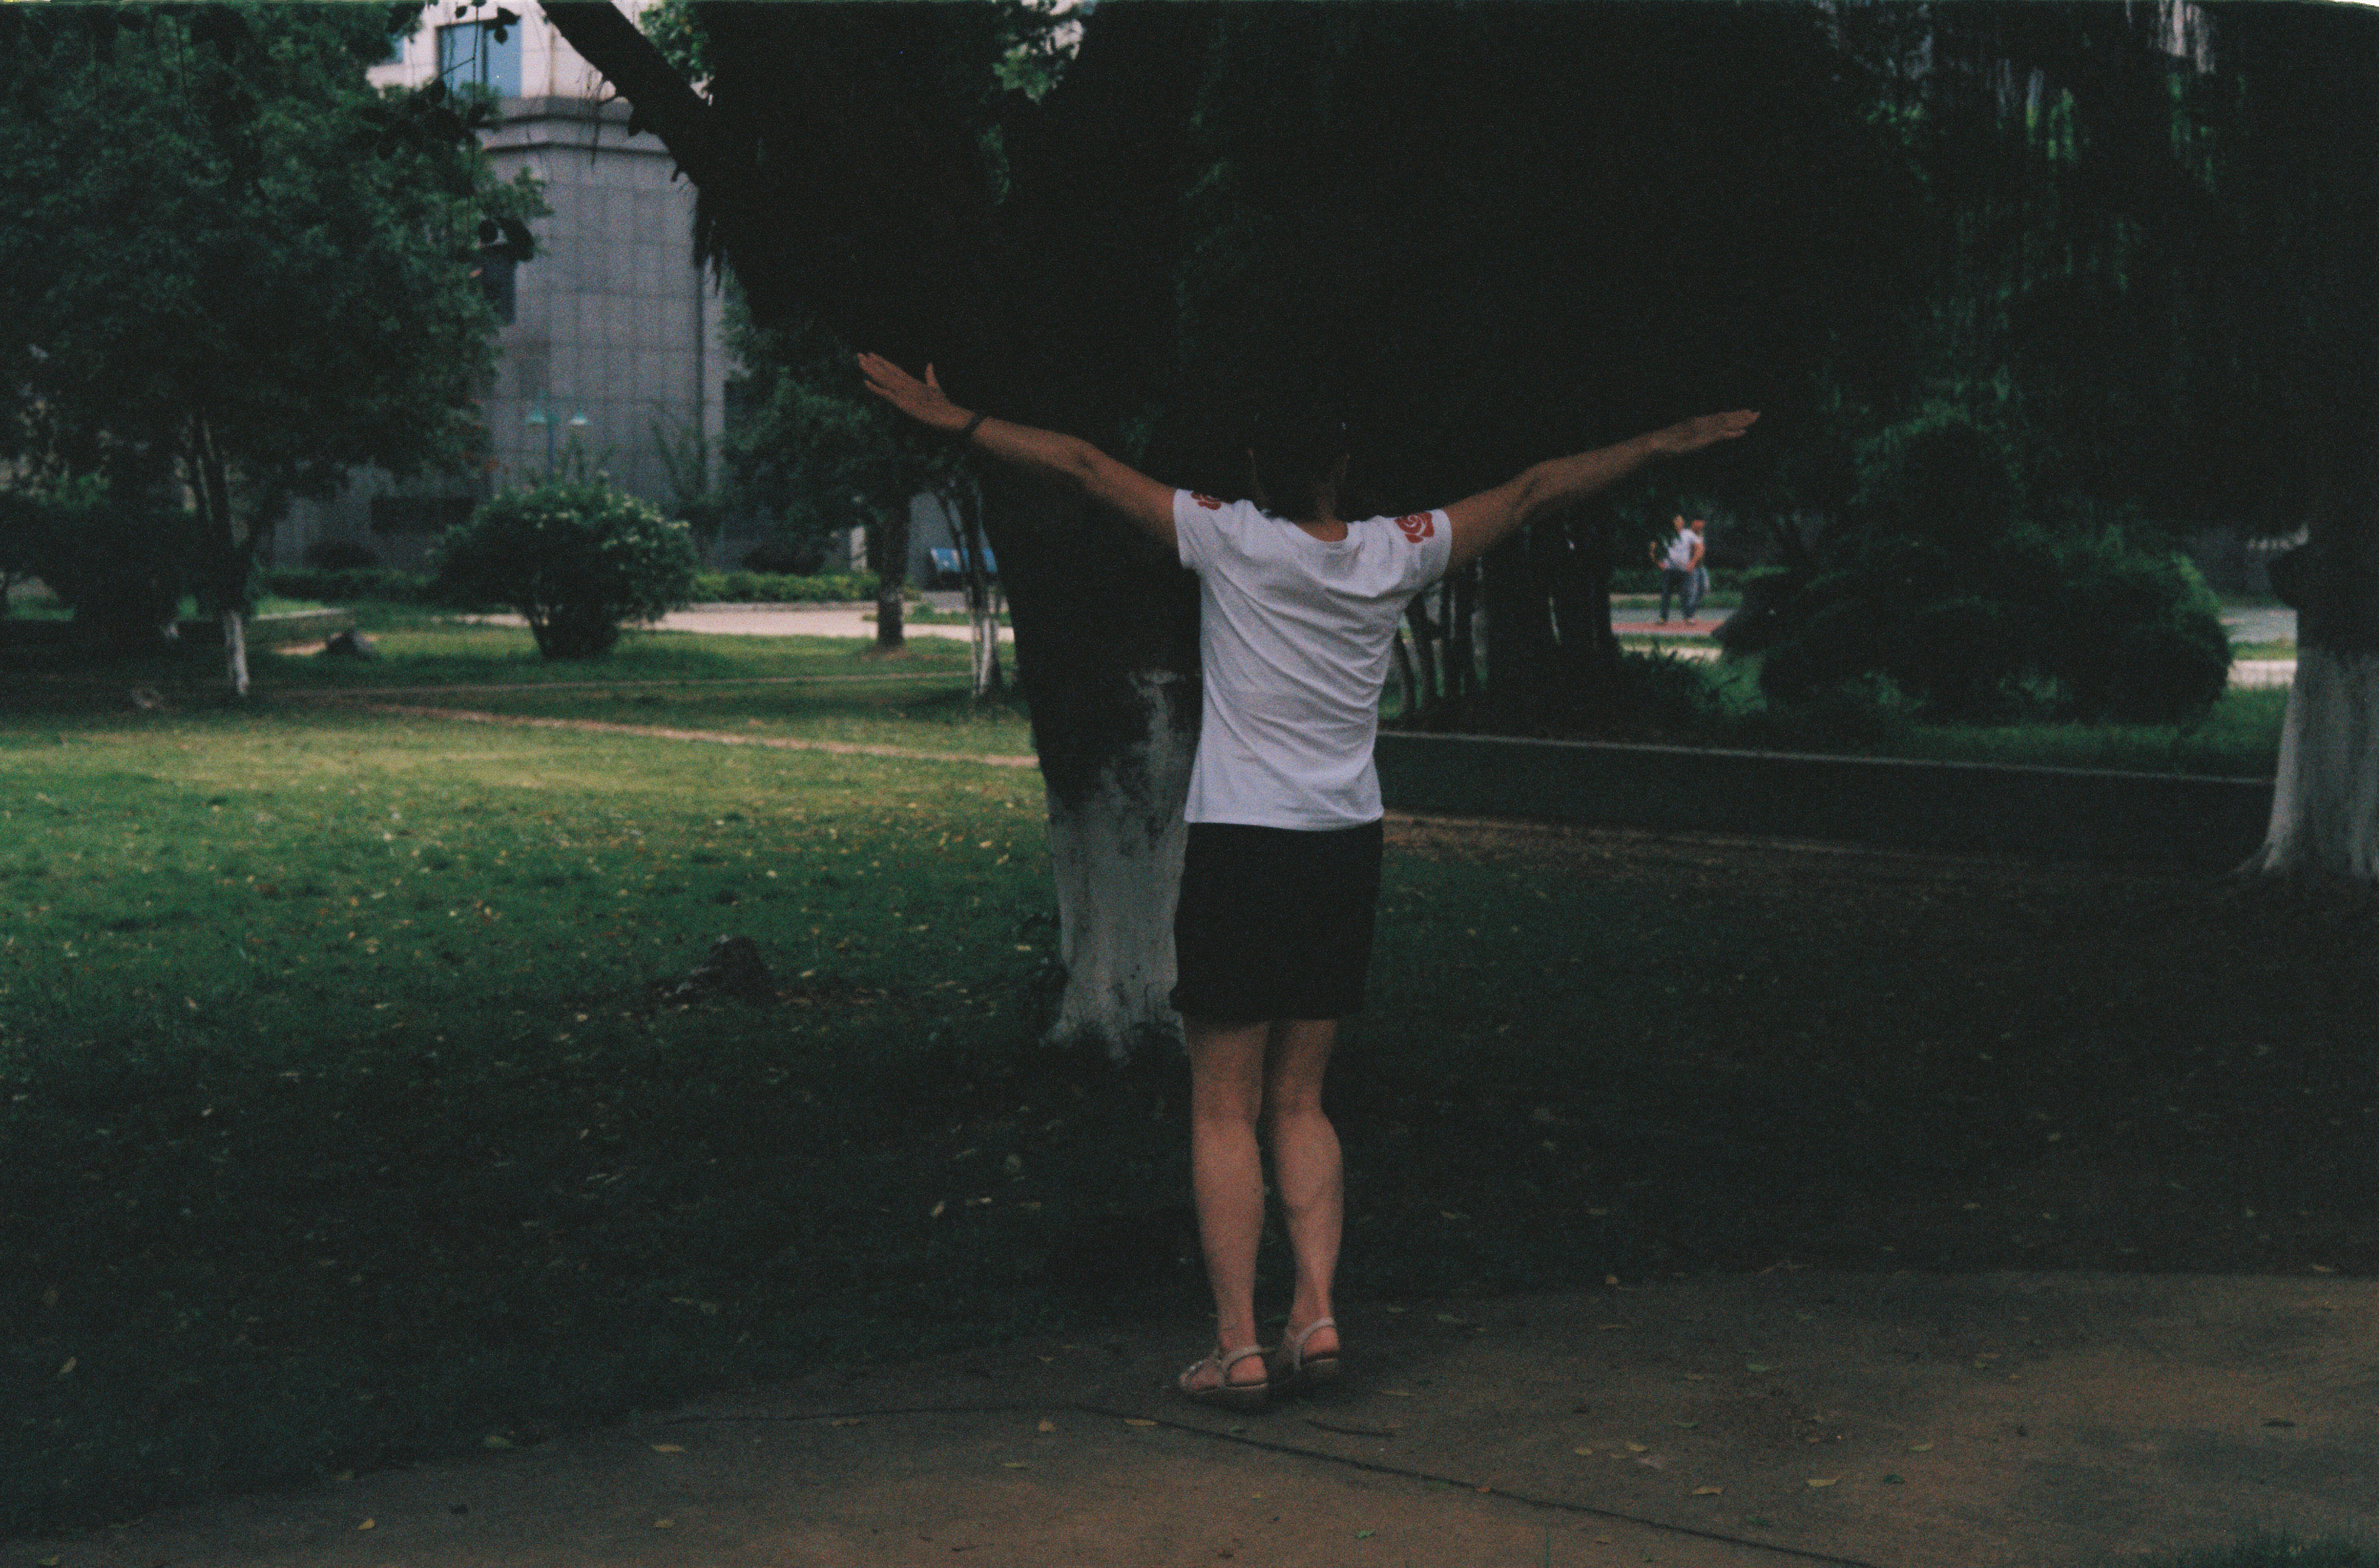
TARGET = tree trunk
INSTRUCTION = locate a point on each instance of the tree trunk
(1106, 654)
(224, 550)
(985, 679)
(235, 650)
(891, 577)
(2325, 793)
(1116, 837)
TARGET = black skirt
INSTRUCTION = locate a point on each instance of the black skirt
(1274, 923)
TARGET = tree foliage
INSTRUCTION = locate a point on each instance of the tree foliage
(229, 266)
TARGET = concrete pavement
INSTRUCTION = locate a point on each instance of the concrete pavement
(1894, 1421)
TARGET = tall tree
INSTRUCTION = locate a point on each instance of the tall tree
(1496, 273)
(2159, 225)
(230, 267)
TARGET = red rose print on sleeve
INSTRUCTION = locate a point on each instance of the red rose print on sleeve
(1209, 502)
(1417, 526)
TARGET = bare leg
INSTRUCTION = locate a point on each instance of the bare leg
(1306, 1165)
(1226, 1088)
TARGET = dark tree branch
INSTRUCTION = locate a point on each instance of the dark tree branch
(663, 104)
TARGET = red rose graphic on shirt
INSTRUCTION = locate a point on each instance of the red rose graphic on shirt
(1209, 502)
(1417, 526)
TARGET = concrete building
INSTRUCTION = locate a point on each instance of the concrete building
(612, 341)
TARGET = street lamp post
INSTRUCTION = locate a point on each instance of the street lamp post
(542, 412)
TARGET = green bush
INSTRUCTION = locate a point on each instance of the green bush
(2034, 625)
(1937, 583)
(120, 562)
(771, 588)
(576, 560)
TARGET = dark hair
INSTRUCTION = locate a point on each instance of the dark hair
(1294, 456)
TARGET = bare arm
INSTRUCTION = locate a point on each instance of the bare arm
(1146, 504)
(1485, 518)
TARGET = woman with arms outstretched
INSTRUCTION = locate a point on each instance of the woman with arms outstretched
(1273, 932)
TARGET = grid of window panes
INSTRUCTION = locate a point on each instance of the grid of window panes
(471, 55)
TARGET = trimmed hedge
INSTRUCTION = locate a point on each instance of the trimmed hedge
(344, 585)
(1647, 579)
(347, 585)
(774, 588)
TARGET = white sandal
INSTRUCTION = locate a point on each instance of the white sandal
(1294, 1368)
(1223, 1391)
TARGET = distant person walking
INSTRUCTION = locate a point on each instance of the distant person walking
(1272, 934)
(1680, 561)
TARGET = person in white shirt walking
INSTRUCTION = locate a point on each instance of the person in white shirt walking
(1681, 569)
(1273, 932)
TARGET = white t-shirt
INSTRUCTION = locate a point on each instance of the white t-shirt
(1296, 633)
(1681, 549)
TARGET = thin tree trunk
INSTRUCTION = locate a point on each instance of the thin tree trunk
(1461, 650)
(1425, 650)
(983, 610)
(891, 577)
(235, 650)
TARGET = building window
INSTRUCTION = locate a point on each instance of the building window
(486, 55)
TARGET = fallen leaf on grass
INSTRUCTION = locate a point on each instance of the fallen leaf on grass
(1823, 1480)
(1046, 1424)
(1920, 1448)
(848, 1421)
(1365, 1535)
(1758, 1366)
(669, 1448)
(496, 1440)
(1138, 1421)
(1014, 1464)
(1637, 1448)
(67, 1367)
(1707, 1492)
(1686, 1426)
(663, 1524)
(367, 1524)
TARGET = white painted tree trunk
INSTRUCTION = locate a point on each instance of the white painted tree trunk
(235, 649)
(1115, 853)
(2326, 797)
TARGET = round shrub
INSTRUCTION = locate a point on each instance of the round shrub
(577, 561)
(2028, 624)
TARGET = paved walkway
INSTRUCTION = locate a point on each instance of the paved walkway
(1901, 1421)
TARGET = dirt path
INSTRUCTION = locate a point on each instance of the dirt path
(704, 737)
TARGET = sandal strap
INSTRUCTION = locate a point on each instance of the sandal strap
(1297, 1341)
(1224, 1360)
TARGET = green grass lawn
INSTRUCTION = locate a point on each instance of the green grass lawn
(348, 1120)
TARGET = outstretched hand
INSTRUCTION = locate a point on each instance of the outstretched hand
(1692, 435)
(922, 401)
